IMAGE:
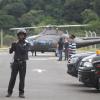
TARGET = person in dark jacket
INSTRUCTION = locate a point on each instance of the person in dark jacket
(60, 48)
(20, 49)
(66, 45)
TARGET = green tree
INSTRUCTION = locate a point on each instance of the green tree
(95, 25)
(55, 9)
(8, 39)
(30, 3)
(2, 12)
(48, 20)
(31, 18)
(96, 6)
(41, 12)
(89, 15)
(15, 9)
(74, 8)
(7, 21)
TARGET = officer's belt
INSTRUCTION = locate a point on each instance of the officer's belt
(19, 60)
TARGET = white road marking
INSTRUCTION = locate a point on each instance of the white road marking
(49, 58)
(42, 54)
(37, 59)
(4, 53)
(39, 70)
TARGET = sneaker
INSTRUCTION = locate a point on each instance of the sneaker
(8, 95)
(21, 95)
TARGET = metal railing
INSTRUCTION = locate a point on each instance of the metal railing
(91, 34)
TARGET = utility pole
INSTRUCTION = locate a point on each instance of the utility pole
(1, 36)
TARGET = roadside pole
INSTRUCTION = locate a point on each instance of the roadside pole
(1, 36)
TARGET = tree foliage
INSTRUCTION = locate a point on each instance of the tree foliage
(7, 21)
(17, 9)
(8, 39)
(88, 15)
(96, 6)
(14, 13)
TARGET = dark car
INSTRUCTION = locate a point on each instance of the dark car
(89, 71)
(74, 61)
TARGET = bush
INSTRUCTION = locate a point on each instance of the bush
(8, 39)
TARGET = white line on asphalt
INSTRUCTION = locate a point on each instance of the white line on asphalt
(4, 53)
(43, 58)
(39, 70)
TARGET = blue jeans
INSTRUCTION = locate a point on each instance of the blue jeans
(60, 54)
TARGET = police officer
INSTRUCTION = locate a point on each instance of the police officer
(20, 49)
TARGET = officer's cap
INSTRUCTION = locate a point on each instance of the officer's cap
(21, 31)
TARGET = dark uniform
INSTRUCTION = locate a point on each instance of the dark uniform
(20, 50)
(60, 48)
(66, 44)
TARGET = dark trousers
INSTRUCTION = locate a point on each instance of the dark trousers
(66, 54)
(17, 66)
(60, 54)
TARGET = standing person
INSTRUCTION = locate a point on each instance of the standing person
(20, 49)
(60, 48)
(72, 46)
(66, 44)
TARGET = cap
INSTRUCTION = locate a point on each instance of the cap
(21, 31)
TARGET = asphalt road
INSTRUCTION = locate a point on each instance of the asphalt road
(46, 79)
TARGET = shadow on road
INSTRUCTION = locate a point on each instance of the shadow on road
(83, 88)
(80, 88)
(75, 85)
(89, 90)
(72, 85)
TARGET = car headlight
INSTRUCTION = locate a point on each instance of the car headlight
(90, 60)
(73, 60)
(88, 64)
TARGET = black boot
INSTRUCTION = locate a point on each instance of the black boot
(8, 95)
(21, 95)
